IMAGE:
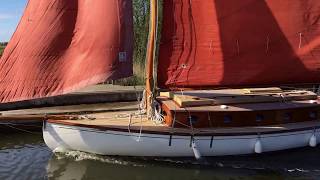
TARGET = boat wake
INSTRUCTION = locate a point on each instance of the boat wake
(83, 156)
(291, 163)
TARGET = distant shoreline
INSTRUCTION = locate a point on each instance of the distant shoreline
(1, 50)
(2, 46)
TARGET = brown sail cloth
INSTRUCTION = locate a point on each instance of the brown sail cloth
(63, 45)
(214, 43)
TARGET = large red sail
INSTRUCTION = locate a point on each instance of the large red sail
(229, 43)
(63, 45)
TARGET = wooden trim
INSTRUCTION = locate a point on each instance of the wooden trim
(214, 131)
(40, 117)
(241, 115)
(292, 86)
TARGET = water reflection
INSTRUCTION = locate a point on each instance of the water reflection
(270, 166)
(104, 168)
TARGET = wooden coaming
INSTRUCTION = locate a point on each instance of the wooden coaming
(236, 96)
(246, 122)
(240, 115)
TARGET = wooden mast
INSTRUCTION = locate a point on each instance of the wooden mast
(151, 55)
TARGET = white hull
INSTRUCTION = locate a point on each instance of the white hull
(63, 137)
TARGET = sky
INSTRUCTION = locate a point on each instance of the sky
(10, 14)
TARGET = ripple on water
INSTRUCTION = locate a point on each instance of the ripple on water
(265, 166)
(23, 157)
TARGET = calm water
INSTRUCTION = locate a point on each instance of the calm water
(25, 156)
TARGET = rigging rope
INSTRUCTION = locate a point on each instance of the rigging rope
(11, 125)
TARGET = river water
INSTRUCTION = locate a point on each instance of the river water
(25, 156)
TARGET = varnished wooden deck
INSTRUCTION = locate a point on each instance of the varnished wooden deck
(115, 116)
(120, 121)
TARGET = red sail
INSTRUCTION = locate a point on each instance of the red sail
(229, 43)
(63, 45)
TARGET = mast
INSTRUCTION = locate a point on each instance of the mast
(151, 49)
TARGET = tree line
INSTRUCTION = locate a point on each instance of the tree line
(2, 46)
(3, 43)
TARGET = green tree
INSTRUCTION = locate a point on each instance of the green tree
(141, 21)
(141, 30)
(141, 12)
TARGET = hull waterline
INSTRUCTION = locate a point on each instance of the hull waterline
(60, 137)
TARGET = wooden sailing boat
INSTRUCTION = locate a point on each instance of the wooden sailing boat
(205, 45)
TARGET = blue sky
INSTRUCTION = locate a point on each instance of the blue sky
(10, 14)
